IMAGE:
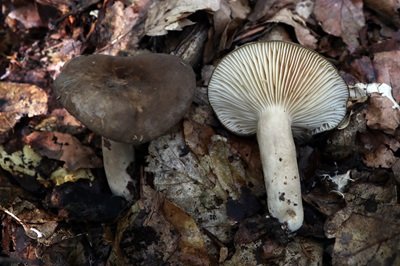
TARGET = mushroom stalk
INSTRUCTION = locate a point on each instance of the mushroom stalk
(117, 158)
(281, 174)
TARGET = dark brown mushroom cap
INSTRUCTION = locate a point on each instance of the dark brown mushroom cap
(127, 99)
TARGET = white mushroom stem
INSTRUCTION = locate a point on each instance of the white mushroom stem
(281, 174)
(117, 157)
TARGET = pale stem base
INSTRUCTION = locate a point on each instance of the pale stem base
(117, 157)
(281, 174)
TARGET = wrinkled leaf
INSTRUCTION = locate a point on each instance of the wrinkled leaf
(303, 33)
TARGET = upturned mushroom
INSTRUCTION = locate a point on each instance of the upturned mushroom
(128, 101)
(278, 90)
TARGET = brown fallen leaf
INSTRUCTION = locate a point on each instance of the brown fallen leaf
(379, 149)
(192, 249)
(388, 10)
(387, 67)
(19, 100)
(341, 18)
(63, 147)
(27, 15)
(60, 120)
(303, 34)
(172, 14)
(300, 251)
(363, 70)
(381, 115)
(197, 136)
(115, 32)
(155, 232)
(367, 230)
(267, 8)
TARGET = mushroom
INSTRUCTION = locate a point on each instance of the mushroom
(126, 100)
(278, 90)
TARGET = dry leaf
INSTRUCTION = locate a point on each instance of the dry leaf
(172, 14)
(379, 149)
(388, 10)
(19, 100)
(387, 67)
(300, 251)
(116, 32)
(381, 115)
(264, 9)
(341, 18)
(197, 136)
(367, 230)
(60, 120)
(27, 15)
(155, 231)
(303, 33)
(192, 249)
(63, 147)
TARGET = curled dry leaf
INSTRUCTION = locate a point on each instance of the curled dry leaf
(172, 14)
(63, 147)
(341, 18)
(387, 67)
(303, 33)
(19, 100)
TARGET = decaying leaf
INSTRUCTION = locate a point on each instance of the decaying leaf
(379, 149)
(19, 163)
(341, 18)
(189, 183)
(303, 33)
(155, 231)
(62, 175)
(62, 121)
(201, 183)
(24, 164)
(367, 230)
(27, 15)
(19, 100)
(388, 10)
(381, 115)
(172, 14)
(63, 147)
(387, 67)
(301, 251)
(115, 32)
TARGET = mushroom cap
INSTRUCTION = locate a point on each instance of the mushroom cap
(127, 99)
(261, 76)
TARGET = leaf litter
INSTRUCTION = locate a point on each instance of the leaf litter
(202, 199)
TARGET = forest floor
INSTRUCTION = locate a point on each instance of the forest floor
(201, 196)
